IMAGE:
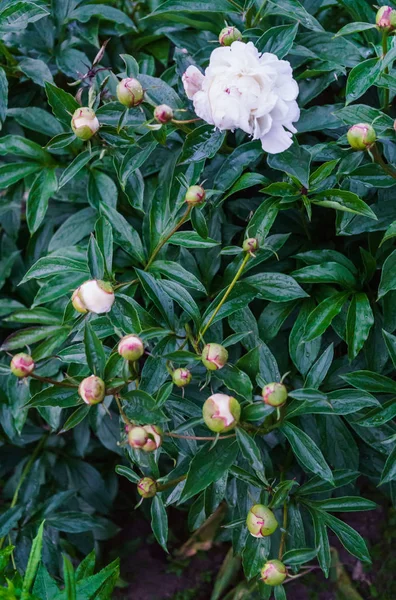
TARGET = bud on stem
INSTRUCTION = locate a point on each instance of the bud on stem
(214, 356)
(221, 412)
(386, 19)
(92, 390)
(361, 136)
(181, 377)
(94, 296)
(130, 92)
(195, 195)
(147, 487)
(273, 572)
(131, 347)
(84, 123)
(163, 113)
(22, 365)
(274, 394)
(228, 35)
(261, 521)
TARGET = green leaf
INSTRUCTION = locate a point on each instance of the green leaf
(321, 317)
(175, 271)
(3, 96)
(18, 15)
(344, 504)
(51, 265)
(128, 473)
(361, 78)
(13, 172)
(159, 522)
(277, 40)
(295, 161)
(36, 70)
(360, 319)
(316, 485)
(134, 158)
(24, 337)
(275, 287)
(75, 166)
(389, 471)
(321, 541)
(158, 296)
(208, 465)
(43, 188)
(344, 201)
(251, 452)
(20, 146)
(191, 239)
(75, 418)
(390, 341)
(143, 408)
(203, 142)
(349, 538)
(55, 396)
(320, 368)
(254, 555)
(354, 28)
(44, 586)
(299, 556)
(95, 259)
(326, 272)
(124, 234)
(96, 357)
(306, 451)
(9, 519)
(388, 275)
(63, 104)
(235, 380)
(104, 238)
(183, 298)
(70, 579)
(292, 9)
(371, 382)
(33, 562)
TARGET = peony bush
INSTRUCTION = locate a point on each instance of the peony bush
(198, 226)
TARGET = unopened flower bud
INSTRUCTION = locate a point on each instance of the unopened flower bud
(361, 136)
(214, 356)
(84, 123)
(22, 365)
(250, 245)
(274, 394)
(130, 92)
(131, 347)
(163, 113)
(154, 438)
(137, 437)
(147, 487)
(195, 195)
(273, 572)
(229, 35)
(94, 296)
(181, 377)
(386, 18)
(261, 521)
(92, 390)
(221, 412)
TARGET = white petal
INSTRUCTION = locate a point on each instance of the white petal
(192, 81)
(276, 140)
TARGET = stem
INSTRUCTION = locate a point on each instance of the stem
(180, 122)
(230, 287)
(167, 237)
(198, 437)
(123, 415)
(376, 154)
(168, 484)
(386, 70)
(158, 248)
(257, 18)
(53, 381)
(284, 533)
(24, 474)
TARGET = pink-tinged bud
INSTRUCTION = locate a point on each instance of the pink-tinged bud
(94, 296)
(261, 521)
(84, 123)
(214, 356)
(137, 437)
(221, 412)
(228, 35)
(273, 572)
(181, 377)
(361, 136)
(92, 390)
(22, 365)
(250, 245)
(274, 394)
(147, 487)
(195, 195)
(386, 18)
(154, 438)
(131, 347)
(130, 92)
(163, 113)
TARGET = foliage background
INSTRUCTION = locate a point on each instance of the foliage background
(318, 301)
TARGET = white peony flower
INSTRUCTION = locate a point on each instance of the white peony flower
(244, 89)
(93, 296)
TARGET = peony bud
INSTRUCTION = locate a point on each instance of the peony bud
(228, 35)
(154, 438)
(221, 412)
(163, 113)
(84, 123)
(195, 195)
(214, 356)
(273, 572)
(386, 18)
(137, 437)
(130, 92)
(261, 521)
(250, 245)
(181, 377)
(22, 365)
(131, 347)
(94, 296)
(92, 390)
(147, 487)
(274, 394)
(361, 136)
